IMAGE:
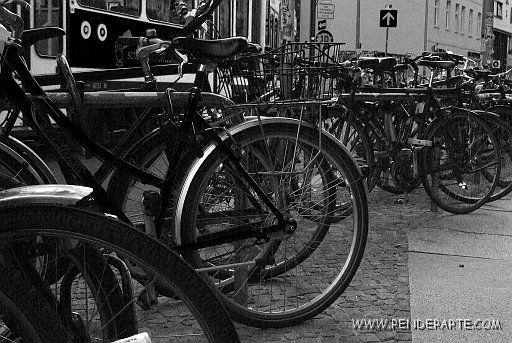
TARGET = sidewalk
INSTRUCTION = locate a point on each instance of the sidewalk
(460, 268)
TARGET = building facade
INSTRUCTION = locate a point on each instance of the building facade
(421, 25)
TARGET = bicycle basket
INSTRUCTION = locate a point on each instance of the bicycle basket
(293, 72)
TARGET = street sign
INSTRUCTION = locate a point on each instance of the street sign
(388, 18)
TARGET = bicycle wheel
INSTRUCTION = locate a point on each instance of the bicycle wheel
(27, 311)
(397, 124)
(195, 312)
(503, 133)
(344, 125)
(463, 146)
(292, 277)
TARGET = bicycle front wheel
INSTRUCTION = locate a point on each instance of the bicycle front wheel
(194, 313)
(290, 277)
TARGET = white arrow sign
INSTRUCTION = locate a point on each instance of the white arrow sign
(388, 18)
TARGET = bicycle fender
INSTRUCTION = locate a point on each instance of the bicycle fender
(15, 151)
(66, 195)
(25, 154)
(253, 121)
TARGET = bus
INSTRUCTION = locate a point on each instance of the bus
(92, 28)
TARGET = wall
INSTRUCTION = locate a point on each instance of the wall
(459, 41)
(413, 17)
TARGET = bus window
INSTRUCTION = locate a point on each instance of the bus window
(130, 7)
(162, 10)
(48, 13)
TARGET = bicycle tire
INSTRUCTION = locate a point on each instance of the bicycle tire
(24, 306)
(504, 135)
(307, 250)
(456, 192)
(107, 294)
(52, 224)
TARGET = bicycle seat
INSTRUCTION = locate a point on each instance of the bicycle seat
(211, 50)
(377, 63)
(436, 64)
(32, 36)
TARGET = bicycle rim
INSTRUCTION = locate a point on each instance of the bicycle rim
(304, 272)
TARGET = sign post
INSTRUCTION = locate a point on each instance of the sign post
(387, 19)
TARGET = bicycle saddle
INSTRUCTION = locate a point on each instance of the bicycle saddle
(211, 50)
(377, 63)
(32, 36)
(436, 64)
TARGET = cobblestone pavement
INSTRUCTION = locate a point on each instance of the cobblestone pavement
(380, 288)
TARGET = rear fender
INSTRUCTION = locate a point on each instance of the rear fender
(66, 195)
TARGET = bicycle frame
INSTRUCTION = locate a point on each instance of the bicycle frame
(35, 101)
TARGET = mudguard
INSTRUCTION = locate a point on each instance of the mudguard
(67, 195)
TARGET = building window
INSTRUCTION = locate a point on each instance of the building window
(462, 19)
(470, 23)
(448, 14)
(436, 13)
(499, 10)
(479, 24)
(457, 6)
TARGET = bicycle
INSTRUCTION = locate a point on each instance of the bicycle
(406, 125)
(259, 239)
(34, 228)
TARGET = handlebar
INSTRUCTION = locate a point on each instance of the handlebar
(202, 13)
(11, 20)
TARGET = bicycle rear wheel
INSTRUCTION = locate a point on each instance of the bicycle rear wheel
(195, 312)
(292, 277)
(463, 147)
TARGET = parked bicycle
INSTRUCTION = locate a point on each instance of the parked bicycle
(249, 207)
